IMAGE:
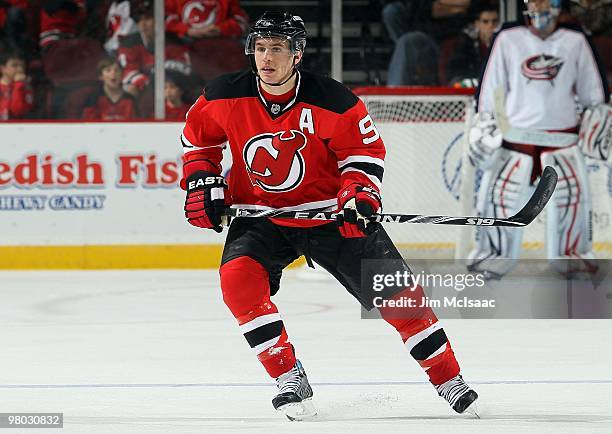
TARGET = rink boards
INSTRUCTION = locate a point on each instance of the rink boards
(106, 195)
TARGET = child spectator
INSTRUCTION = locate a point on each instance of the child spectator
(60, 19)
(464, 65)
(16, 96)
(205, 18)
(176, 108)
(110, 102)
(136, 51)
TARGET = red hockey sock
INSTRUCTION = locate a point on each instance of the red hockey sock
(246, 292)
(423, 336)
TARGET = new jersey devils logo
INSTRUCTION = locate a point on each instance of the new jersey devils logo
(541, 67)
(200, 13)
(274, 161)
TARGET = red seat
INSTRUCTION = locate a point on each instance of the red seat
(214, 56)
(74, 102)
(70, 61)
(447, 48)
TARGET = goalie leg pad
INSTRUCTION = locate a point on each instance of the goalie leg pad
(504, 189)
(569, 231)
(246, 292)
(596, 132)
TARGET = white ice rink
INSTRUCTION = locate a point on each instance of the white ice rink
(157, 351)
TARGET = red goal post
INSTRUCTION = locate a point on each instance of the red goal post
(427, 172)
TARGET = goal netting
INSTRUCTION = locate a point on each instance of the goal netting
(427, 172)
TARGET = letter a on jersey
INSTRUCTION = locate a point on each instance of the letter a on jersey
(274, 161)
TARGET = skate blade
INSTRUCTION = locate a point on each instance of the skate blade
(472, 410)
(299, 410)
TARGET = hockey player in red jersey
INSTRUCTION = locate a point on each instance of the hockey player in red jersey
(299, 141)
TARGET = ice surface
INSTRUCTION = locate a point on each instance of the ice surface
(157, 351)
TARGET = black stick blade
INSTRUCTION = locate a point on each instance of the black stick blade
(539, 199)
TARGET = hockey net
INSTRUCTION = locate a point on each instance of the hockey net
(427, 172)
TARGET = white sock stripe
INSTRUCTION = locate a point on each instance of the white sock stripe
(414, 340)
(259, 321)
(438, 351)
(263, 347)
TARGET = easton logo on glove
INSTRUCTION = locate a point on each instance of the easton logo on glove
(214, 181)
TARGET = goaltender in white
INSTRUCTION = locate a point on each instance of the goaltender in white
(544, 71)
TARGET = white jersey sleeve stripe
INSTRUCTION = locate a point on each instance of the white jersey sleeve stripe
(361, 159)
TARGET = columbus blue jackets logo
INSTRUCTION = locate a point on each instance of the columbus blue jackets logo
(541, 67)
(274, 161)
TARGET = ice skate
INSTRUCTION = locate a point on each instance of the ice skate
(459, 395)
(294, 396)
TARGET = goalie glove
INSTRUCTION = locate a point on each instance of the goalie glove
(356, 203)
(595, 138)
(206, 201)
(485, 139)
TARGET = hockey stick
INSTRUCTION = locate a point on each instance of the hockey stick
(526, 136)
(526, 215)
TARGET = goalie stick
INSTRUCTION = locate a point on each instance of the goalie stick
(527, 136)
(526, 215)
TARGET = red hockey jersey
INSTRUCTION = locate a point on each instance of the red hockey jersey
(295, 156)
(99, 107)
(138, 60)
(16, 100)
(231, 19)
(176, 113)
(60, 19)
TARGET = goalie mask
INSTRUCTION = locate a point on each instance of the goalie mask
(542, 12)
(274, 26)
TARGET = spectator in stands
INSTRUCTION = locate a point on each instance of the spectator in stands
(174, 89)
(16, 96)
(110, 102)
(119, 23)
(136, 51)
(466, 61)
(594, 15)
(61, 19)
(13, 23)
(418, 28)
(197, 19)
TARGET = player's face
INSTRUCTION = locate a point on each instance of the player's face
(274, 59)
(486, 24)
(111, 76)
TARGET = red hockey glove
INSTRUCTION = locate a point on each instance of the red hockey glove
(355, 203)
(206, 200)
